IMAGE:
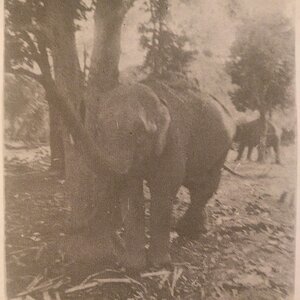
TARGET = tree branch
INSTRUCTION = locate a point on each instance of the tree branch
(25, 72)
(127, 5)
(27, 38)
(44, 60)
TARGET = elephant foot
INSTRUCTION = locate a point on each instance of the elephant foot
(88, 249)
(159, 260)
(191, 229)
(134, 263)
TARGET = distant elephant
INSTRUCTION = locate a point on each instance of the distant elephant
(150, 132)
(248, 135)
(288, 136)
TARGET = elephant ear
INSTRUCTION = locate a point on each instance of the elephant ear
(158, 125)
(164, 124)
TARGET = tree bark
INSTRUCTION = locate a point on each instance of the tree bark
(263, 138)
(104, 70)
(55, 122)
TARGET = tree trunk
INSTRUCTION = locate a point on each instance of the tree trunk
(104, 69)
(89, 192)
(56, 141)
(68, 80)
(263, 138)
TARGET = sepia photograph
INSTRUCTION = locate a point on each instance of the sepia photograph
(150, 149)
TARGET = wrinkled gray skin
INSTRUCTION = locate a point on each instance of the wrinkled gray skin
(169, 141)
(248, 135)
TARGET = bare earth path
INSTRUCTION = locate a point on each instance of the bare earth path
(248, 252)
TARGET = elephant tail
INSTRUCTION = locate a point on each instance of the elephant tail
(222, 105)
(228, 169)
(262, 175)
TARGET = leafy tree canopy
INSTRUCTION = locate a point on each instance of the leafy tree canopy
(24, 22)
(165, 49)
(262, 64)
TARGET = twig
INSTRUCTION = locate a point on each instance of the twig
(158, 273)
(187, 265)
(46, 296)
(89, 278)
(99, 273)
(34, 282)
(97, 282)
(17, 261)
(46, 285)
(176, 275)
(163, 280)
(23, 250)
(60, 283)
(57, 296)
(138, 283)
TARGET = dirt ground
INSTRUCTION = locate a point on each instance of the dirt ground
(247, 253)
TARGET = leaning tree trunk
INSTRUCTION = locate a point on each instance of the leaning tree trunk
(80, 182)
(56, 140)
(55, 122)
(263, 138)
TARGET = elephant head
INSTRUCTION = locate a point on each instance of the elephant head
(132, 124)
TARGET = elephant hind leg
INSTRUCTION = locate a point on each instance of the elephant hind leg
(194, 220)
(250, 149)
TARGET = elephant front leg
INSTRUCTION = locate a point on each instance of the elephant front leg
(163, 191)
(134, 219)
(160, 226)
(240, 152)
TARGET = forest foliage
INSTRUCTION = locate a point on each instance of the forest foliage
(165, 49)
(261, 64)
(202, 39)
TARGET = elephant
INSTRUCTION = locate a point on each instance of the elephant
(248, 135)
(288, 136)
(148, 131)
